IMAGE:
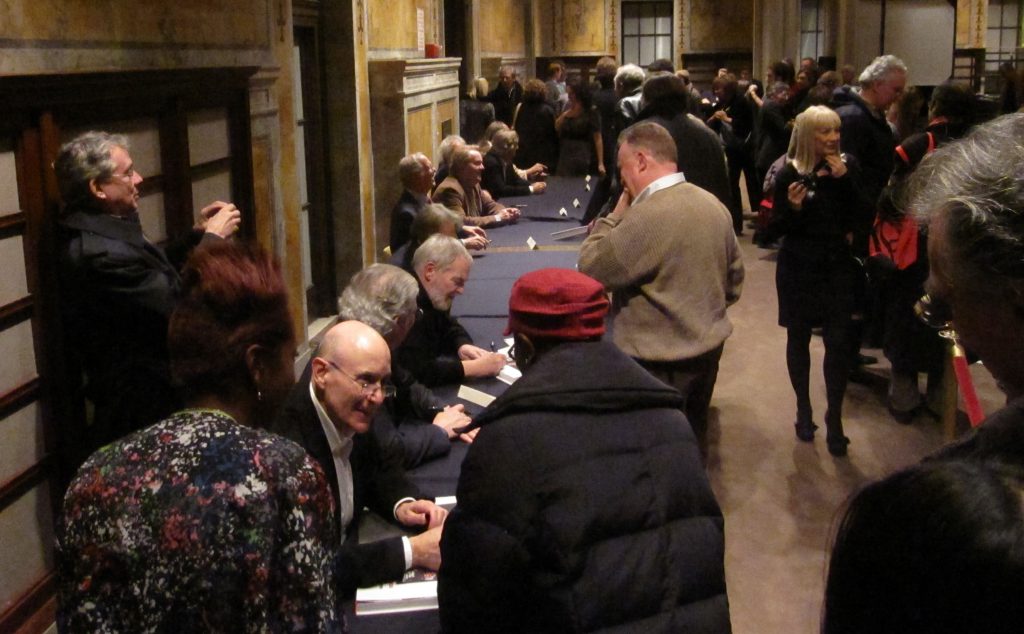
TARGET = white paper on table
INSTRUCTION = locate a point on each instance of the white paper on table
(576, 203)
(476, 397)
(563, 212)
(588, 187)
(509, 374)
(530, 242)
(588, 178)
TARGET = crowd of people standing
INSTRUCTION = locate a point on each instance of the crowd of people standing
(195, 517)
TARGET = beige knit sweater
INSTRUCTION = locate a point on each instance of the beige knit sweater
(673, 265)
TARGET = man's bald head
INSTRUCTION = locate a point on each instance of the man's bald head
(349, 372)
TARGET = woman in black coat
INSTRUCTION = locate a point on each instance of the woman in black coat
(535, 123)
(815, 207)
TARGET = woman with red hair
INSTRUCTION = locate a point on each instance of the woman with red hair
(204, 522)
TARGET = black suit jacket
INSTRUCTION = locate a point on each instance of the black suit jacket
(378, 481)
(501, 179)
(402, 215)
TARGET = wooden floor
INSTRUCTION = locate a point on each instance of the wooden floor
(780, 496)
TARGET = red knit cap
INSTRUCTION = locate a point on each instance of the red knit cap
(557, 304)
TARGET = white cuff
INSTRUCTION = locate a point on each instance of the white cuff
(407, 547)
(394, 509)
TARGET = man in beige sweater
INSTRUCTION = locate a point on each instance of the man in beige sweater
(669, 256)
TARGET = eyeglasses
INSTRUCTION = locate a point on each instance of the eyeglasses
(128, 175)
(368, 388)
(935, 313)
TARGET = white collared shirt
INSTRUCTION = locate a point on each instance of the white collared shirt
(659, 184)
(341, 450)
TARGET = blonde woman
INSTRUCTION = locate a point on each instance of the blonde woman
(815, 208)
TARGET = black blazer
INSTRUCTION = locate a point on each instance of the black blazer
(378, 481)
(501, 179)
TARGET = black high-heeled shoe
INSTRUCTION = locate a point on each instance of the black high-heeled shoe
(805, 431)
(837, 445)
(837, 441)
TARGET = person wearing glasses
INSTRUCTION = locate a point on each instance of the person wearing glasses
(438, 350)
(330, 412)
(117, 288)
(383, 297)
(970, 196)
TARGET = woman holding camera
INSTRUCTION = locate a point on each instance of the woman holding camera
(815, 207)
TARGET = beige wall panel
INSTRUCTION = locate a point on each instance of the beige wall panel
(583, 26)
(225, 23)
(27, 553)
(9, 201)
(19, 364)
(445, 114)
(21, 441)
(13, 284)
(720, 26)
(208, 136)
(503, 28)
(393, 24)
(420, 131)
(151, 215)
(209, 189)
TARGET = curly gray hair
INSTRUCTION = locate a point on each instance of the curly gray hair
(975, 188)
(879, 69)
(377, 296)
(84, 159)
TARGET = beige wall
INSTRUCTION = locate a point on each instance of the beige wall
(503, 29)
(393, 26)
(719, 26)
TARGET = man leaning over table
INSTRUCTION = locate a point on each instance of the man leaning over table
(668, 254)
(329, 412)
(438, 350)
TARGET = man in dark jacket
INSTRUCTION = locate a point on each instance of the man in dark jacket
(506, 95)
(118, 288)
(699, 152)
(438, 350)
(383, 297)
(417, 175)
(865, 130)
(329, 412)
(583, 504)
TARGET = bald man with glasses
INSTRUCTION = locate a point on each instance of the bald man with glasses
(330, 412)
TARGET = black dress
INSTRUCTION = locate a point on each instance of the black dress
(816, 277)
(576, 144)
(538, 141)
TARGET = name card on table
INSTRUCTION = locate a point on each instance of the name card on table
(587, 178)
(576, 203)
(530, 242)
(475, 397)
(563, 212)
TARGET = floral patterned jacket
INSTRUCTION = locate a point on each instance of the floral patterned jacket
(198, 524)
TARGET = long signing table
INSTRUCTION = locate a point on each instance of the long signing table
(483, 311)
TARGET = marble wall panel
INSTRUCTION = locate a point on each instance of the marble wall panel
(18, 353)
(9, 200)
(13, 282)
(21, 441)
(720, 26)
(27, 555)
(503, 28)
(393, 26)
(153, 218)
(223, 24)
(420, 130)
(209, 189)
(208, 135)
